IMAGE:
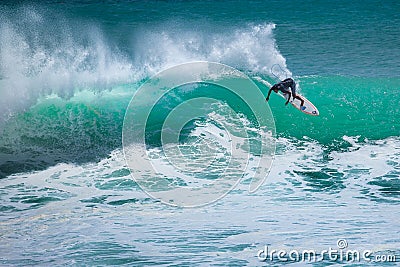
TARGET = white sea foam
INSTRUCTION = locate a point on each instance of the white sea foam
(251, 48)
(39, 56)
(85, 205)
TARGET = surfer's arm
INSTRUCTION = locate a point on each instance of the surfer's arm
(269, 93)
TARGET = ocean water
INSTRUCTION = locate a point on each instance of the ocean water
(68, 71)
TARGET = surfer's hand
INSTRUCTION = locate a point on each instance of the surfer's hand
(286, 103)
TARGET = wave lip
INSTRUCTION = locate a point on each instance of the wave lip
(251, 48)
(43, 53)
(40, 55)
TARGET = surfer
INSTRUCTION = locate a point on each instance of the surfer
(283, 86)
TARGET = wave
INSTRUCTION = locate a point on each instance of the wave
(88, 126)
(65, 83)
(44, 53)
(65, 86)
(352, 106)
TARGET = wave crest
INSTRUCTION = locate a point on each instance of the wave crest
(42, 54)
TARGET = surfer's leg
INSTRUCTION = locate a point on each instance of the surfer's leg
(288, 95)
(299, 98)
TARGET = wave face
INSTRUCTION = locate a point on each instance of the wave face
(88, 126)
(349, 106)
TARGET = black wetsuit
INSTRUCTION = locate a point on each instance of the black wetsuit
(284, 86)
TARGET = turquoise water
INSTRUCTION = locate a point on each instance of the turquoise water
(69, 70)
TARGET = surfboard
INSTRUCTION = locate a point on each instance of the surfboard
(309, 109)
